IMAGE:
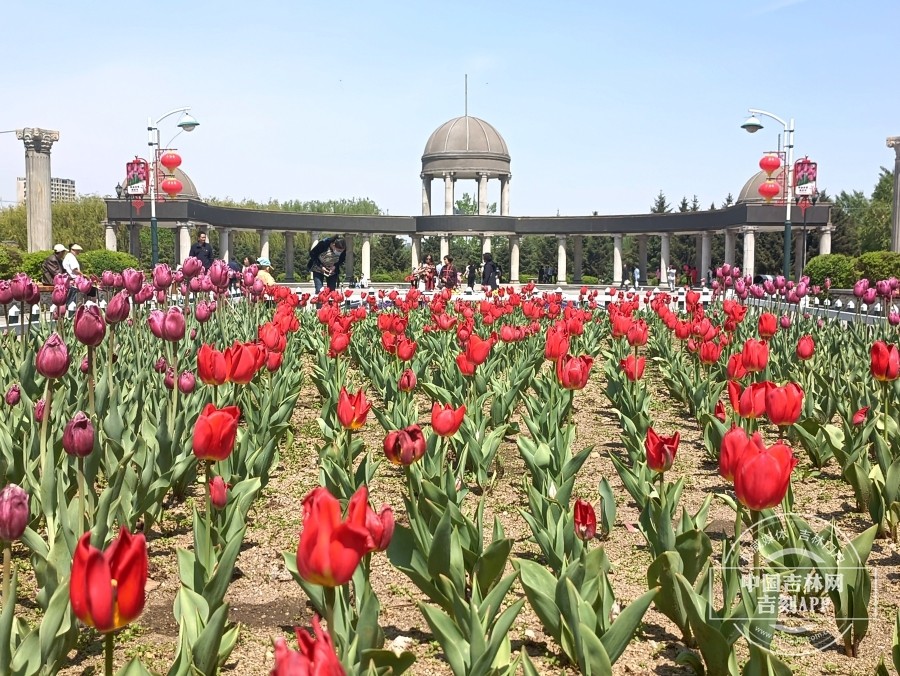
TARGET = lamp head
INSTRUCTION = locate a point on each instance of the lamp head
(752, 124)
(188, 122)
(119, 190)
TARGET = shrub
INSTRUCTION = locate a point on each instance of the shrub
(395, 277)
(839, 268)
(32, 262)
(877, 265)
(589, 280)
(97, 261)
(10, 261)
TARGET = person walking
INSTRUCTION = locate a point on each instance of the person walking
(489, 272)
(202, 250)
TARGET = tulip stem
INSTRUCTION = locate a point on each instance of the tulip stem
(209, 511)
(92, 378)
(7, 567)
(330, 599)
(887, 402)
(110, 649)
(110, 350)
(81, 496)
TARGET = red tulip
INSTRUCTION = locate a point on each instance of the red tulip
(710, 352)
(637, 333)
(78, 436)
(784, 404)
(218, 492)
(768, 325)
(661, 450)
(330, 549)
(406, 348)
(752, 403)
(466, 367)
(340, 341)
(478, 349)
(633, 367)
(380, 526)
(755, 355)
(243, 360)
(212, 368)
(860, 416)
(446, 420)
(762, 475)
(736, 369)
(316, 656)
(557, 342)
(620, 324)
(719, 411)
(733, 444)
(106, 589)
(89, 326)
(404, 447)
(885, 364)
(352, 410)
(272, 337)
(407, 382)
(573, 372)
(52, 359)
(14, 512)
(585, 520)
(806, 346)
(215, 432)
(273, 361)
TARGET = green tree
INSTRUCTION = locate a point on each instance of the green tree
(683, 206)
(660, 206)
(467, 205)
(695, 204)
(729, 200)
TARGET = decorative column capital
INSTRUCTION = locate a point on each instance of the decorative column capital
(36, 139)
(894, 142)
(828, 228)
(749, 229)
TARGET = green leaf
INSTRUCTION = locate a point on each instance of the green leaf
(540, 585)
(452, 642)
(619, 635)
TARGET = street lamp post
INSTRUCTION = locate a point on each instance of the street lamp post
(186, 123)
(753, 125)
(121, 192)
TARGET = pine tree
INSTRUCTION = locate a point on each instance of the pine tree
(683, 206)
(660, 206)
(695, 204)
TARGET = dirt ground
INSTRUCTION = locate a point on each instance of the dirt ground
(267, 602)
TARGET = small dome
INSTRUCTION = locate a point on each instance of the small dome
(750, 192)
(188, 189)
(465, 146)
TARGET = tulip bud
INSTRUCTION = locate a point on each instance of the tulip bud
(218, 492)
(161, 365)
(14, 512)
(13, 394)
(88, 326)
(85, 366)
(160, 297)
(169, 380)
(407, 381)
(83, 284)
(118, 308)
(192, 266)
(53, 357)
(162, 277)
(186, 382)
(78, 436)
(273, 361)
(193, 334)
(59, 295)
(39, 410)
(133, 280)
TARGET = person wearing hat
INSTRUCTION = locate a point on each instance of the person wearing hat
(325, 261)
(264, 273)
(70, 262)
(53, 264)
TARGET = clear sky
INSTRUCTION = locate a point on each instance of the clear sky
(602, 104)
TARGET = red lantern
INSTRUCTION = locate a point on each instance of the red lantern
(171, 186)
(170, 160)
(770, 164)
(769, 190)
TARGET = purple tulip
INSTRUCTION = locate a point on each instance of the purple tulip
(715, 285)
(186, 382)
(194, 333)
(5, 293)
(89, 326)
(84, 366)
(820, 323)
(162, 277)
(161, 365)
(219, 274)
(78, 436)
(192, 266)
(802, 289)
(249, 276)
(13, 395)
(827, 283)
(726, 270)
(893, 319)
(59, 295)
(83, 284)
(860, 287)
(169, 380)
(183, 288)
(160, 297)
(108, 279)
(883, 288)
(14, 512)
(869, 296)
(785, 322)
(40, 408)
(17, 286)
(168, 325)
(792, 297)
(257, 288)
(178, 277)
(145, 294)
(206, 284)
(769, 286)
(757, 291)
(117, 308)
(195, 284)
(729, 282)
(32, 293)
(894, 282)
(133, 280)
(779, 282)
(52, 359)
(203, 311)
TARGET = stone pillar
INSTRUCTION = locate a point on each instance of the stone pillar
(698, 255)
(426, 195)
(349, 260)
(799, 251)
(749, 249)
(617, 259)
(642, 258)
(416, 250)
(825, 239)
(38, 215)
(486, 244)
(482, 194)
(514, 259)
(664, 241)
(561, 277)
(225, 244)
(365, 256)
(263, 243)
(578, 256)
(184, 240)
(729, 247)
(445, 246)
(110, 232)
(705, 255)
(449, 196)
(504, 195)
(289, 256)
(894, 142)
(134, 240)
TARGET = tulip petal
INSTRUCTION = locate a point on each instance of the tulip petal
(130, 572)
(101, 597)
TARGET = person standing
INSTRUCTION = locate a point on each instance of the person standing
(448, 273)
(325, 261)
(489, 272)
(202, 250)
(53, 264)
(72, 267)
(637, 276)
(670, 277)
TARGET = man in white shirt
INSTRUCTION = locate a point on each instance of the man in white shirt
(73, 269)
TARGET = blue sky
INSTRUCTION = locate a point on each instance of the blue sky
(601, 104)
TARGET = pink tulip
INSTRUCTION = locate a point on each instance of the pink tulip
(186, 382)
(89, 326)
(117, 308)
(162, 277)
(133, 280)
(59, 295)
(219, 274)
(83, 284)
(5, 293)
(168, 325)
(13, 395)
(192, 266)
(53, 357)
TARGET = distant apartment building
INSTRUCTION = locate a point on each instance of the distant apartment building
(61, 190)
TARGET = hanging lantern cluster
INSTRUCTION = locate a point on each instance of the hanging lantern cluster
(171, 185)
(769, 164)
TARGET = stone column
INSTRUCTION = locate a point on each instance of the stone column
(38, 215)
(482, 194)
(449, 196)
(825, 239)
(416, 250)
(263, 243)
(225, 244)
(110, 233)
(134, 240)
(642, 258)
(445, 246)
(289, 256)
(799, 251)
(365, 257)
(617, 259)
(705, 255)
(514, 259)
(894, 142)
(504, 195)
(349, 260)
(578, 256)
(486, 244)
(729, 247)
(426, 195)
(749, 249)
(561, 277)
(698, 255)
(664, 241)
(184, 240)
